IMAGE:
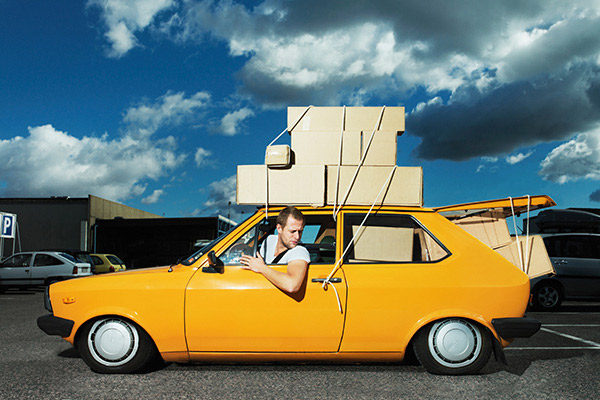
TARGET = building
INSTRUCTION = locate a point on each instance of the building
(60, 222)
(139, 238)
(144, 243)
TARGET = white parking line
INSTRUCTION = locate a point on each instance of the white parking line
(552, 348)
(569, 325)
(571, 337)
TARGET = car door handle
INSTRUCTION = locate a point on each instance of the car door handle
(561, 262)
(332, 280)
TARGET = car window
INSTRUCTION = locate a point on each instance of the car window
(18, 260)
(318, 238)
(97, 260)
(45, 259)
(69, 257)
(389, 238)
(114, 260)
(572, 246)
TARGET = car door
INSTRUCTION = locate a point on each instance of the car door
(16, 270)
(47, 266)
(241, 311)
(575, 260)
(390, 264)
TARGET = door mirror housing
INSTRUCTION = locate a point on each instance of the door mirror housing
(215, 265)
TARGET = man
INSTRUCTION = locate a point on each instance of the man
(283, 248)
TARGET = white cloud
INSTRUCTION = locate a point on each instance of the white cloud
(230, 123)
(170, 108)
(201, 156)
(577, 159)
(51, 162)
(222, 200)
(517, 158)
(154, 197)
(489, 159)
(125, 18)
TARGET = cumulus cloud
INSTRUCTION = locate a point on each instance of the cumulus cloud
(201, 156)
(230, 123)
(50, 162)
(123, 19)
(222, 200)
(496, 75)
(517, 158)
(576, 159)
(168, 109)
(154, 197)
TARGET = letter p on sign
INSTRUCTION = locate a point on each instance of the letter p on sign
(8, 225)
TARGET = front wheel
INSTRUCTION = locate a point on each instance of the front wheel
(453, 346)
(113, 345)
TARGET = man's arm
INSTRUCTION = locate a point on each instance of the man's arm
(289, 281)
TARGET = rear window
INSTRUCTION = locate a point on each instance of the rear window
(114, 260)
(69, 257)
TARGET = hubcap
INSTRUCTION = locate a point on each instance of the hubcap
(113, 342)
(548, 296)
(454, 342)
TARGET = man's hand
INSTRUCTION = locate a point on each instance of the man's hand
(290, 281)
(256, 264)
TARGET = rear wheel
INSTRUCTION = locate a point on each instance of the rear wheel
(547, 296)
(114, 345)
(453, 346)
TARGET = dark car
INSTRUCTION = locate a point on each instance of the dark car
(576, 261)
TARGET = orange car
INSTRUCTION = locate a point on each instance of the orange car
(378, 286)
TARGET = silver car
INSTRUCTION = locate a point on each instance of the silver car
(576, 261)
(40, 268)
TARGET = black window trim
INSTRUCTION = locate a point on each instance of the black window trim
(387, 214)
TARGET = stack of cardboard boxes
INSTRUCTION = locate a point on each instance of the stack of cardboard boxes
(323, 138)
(491, 228)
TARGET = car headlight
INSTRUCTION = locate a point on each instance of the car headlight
(47, 302)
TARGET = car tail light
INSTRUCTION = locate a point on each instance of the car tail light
(75, 270)
(111, 269)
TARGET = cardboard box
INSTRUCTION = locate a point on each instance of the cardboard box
(383, 149)
(321, 148)
(357, 119)
(539, 263)
(278, 156)
(405, 188)
(382, 244)
(298, 185)
(312, 148)
(489, 227)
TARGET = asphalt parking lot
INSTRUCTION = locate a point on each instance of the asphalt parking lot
(562, 361)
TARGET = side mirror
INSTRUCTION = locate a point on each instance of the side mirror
(215, 265)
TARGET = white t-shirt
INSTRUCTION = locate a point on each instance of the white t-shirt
(297, 253)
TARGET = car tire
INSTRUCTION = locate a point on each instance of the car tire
(114, 345)
(547, 296)
(453, 346)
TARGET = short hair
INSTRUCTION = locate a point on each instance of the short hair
(292, 211)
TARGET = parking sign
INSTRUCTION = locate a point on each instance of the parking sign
(7, 225)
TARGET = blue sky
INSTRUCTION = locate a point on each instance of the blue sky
(153, 103)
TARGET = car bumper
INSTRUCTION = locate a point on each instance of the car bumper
(52, 325)
(510, 328)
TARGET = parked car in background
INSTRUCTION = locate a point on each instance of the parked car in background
(107, 263)
(576, 261)
(40, 268)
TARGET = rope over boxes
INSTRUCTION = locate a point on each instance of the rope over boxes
(361, 141)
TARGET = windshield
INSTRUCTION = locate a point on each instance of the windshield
(192, 259)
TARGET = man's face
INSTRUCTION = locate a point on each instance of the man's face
(291, 233)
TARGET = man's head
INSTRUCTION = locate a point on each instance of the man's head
(290, 224)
